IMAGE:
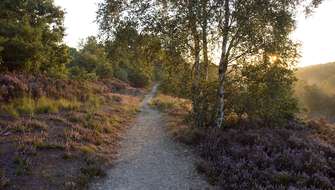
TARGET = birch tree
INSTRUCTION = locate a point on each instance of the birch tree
(248, 28)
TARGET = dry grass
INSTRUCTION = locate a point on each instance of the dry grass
(28, 125)
(178, 111)
(88, 149)
(29, 106)
(74, 138)
(171, 104)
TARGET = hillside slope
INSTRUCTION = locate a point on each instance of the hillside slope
(322, 75)
(59, 134)
(315, 90)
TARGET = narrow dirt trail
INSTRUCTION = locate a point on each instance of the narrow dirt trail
(150, 160)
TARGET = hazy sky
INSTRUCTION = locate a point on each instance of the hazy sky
(316, 33)
(79, 19)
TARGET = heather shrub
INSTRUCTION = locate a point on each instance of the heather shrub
(262, 158)
(11, 87)
(323, 129)
(189, 136)
(4, 181)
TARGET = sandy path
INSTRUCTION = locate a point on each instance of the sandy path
(150, 160)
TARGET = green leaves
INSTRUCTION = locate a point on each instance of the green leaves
(31, 36)
(91, 61)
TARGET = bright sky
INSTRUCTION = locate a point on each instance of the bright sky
(79, 19)
(316, 33)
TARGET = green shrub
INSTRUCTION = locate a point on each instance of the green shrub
(139, 79)
(81, 74)
(121, 74)
(91, 61)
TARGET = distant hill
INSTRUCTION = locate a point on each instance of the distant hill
(315, 90)
(322, 75)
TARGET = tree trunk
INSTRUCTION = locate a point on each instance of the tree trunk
(205, 69)
(197, 66)
(221, 93)
(223, 67)
(204, 37)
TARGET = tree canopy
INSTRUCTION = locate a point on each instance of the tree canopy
(31, 36)
(251, 36)
(228, 56)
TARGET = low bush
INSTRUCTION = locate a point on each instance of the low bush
(11, 87)
(262, 158)
(189, 136)
(22, 165)
(244, 156)
(92, 169)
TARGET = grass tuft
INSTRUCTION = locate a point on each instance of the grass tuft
(28, 106)
(171, 104)
(88, 149)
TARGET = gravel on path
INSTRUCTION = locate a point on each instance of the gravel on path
(150, 160)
